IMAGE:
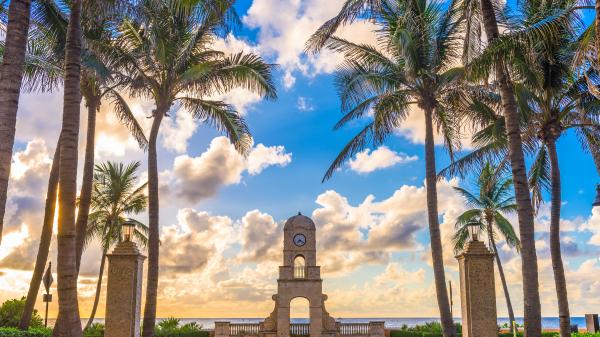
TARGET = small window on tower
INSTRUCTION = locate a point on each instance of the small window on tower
(299, 267)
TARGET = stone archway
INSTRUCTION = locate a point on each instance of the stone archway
(299, 317)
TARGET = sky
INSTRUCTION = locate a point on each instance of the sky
(222, 215)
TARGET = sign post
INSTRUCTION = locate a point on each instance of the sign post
(47, 296)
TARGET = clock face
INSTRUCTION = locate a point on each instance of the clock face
(299, 240)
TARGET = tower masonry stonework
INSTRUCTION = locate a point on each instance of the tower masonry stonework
(299, 276)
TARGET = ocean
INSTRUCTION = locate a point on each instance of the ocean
(390, 322)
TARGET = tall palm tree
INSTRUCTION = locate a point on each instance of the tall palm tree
(408, 69)
(43, 69)
(551, 100)
(494, 198)
(68, 320)
(484, 12)
(166, 55)
(115, 194)
(11, 75)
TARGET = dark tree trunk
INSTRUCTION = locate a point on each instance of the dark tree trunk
(11, 76)
(511, 313)
(85, 197)
(68, 307)
(531, 294)
(557, 263)
(597, 31)
(434, 230)
(98, 291)
(154, 230)
(45, 240)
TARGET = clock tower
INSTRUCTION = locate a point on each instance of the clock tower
(299, 276)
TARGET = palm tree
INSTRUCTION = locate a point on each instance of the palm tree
(493, 200)
(43, 68)
(68, 320)
(551, 100)
(115, 194)
(99, 83)
(408, 69)
(11, 75)
(484, 12)
(165, 53)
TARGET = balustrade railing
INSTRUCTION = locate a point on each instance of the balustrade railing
(300, 272)
(299, 329)
(354, 328)
(238, 329)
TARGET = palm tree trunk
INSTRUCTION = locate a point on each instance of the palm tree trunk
(529, 266)
(511, 313)
(85, 197)
(597, 36)
(98, 291)
(557, 264)
(45, 240)
(153, 224)
(11, 75)
(434, 230)
(68, 307)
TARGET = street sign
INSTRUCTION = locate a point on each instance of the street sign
(48, 278)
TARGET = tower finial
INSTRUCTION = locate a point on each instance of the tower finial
(299, 213)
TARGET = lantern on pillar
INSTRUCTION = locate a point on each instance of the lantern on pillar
(473, 228)
(127, 229)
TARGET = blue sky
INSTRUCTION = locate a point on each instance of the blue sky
(221, 231)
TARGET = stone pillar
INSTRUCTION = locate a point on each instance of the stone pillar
(477, 291)
(124, 291)
(222, 329)
(283, 318)
(377, 329)
(591, 323)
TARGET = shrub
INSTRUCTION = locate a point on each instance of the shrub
(94, 330)
(33, 332)
(170, 328)
(11, 311)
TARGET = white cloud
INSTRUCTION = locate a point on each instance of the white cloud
(367, 161)
(196, 178)
(176, 133)
(304, 104)
(262, 157)
(283, 36)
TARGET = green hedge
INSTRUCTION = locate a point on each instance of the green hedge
(185, 334)
(408, 333)
(34, 332)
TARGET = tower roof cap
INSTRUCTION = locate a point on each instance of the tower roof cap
(299, 221)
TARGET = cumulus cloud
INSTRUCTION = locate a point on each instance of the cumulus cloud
(196, 178)
(368, 161)
(262, 157)
(195, 240)
(283, 36)
(176, 132)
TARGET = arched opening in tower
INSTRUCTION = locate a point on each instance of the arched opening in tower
(299, 267)
(299, 317)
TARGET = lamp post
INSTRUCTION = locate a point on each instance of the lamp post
(477, 289)
(473, 228)
(596, 202)
(124, 286)
(127, 229)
